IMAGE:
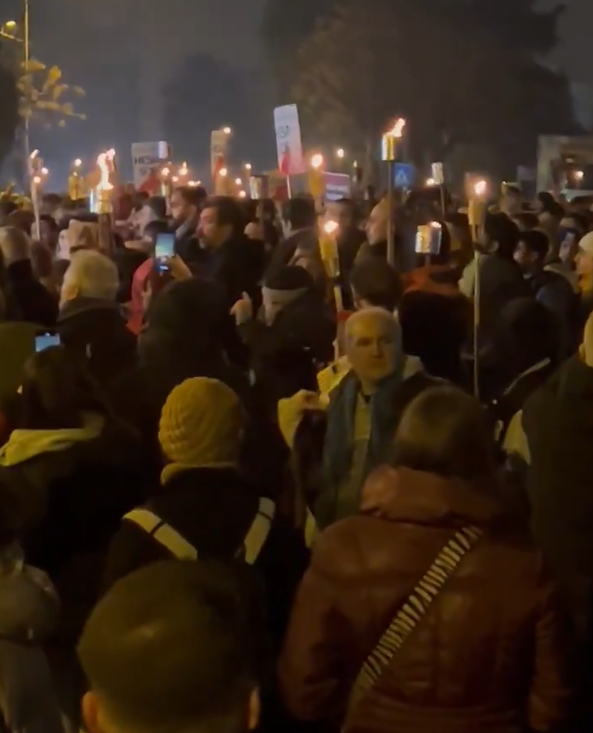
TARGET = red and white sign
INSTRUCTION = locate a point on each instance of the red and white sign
(288, 140)
(148, 159)
(337, 186)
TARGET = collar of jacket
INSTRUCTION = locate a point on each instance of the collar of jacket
(416, 497)
(76, 306)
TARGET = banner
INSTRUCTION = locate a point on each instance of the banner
(219, 143)
(147, 159)
(288, 140)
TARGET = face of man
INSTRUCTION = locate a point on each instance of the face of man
(524, 257)
(376, 228)
(210, 232)
(181, 210)
(371, 347)
(569, 248)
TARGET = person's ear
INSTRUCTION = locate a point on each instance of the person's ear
(254, 710)
(90, 713)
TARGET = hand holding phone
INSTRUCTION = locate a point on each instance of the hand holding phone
(164, 250)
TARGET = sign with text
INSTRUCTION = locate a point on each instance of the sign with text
(288, 140)
(337, 186)
(147, 159)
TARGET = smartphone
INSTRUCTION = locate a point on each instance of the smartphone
(429, 238)
(45, 340)
(164, 250)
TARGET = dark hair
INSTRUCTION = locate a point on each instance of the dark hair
(445, 431)
(377, 282)
(527, 220)
(536, 243)
(158, 204)
(193, 195)
(42, 260)
(513, 191)
(57, 390)
(154, 228)
(6, 208)
(51, 222)
(580, 219)
(173, 646)
(228, 211)
(300, 213)
(52, 199)
(504, 232)
(546, 199)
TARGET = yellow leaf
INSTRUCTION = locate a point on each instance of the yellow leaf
(79, 91)
(67, 109)
(58, 90)
(34, 65)
(54, 75)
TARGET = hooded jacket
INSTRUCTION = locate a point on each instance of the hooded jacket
(490, 654)
(28, 615)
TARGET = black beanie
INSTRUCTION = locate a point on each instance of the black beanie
(289, 277)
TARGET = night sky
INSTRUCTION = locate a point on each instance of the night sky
(138, 44)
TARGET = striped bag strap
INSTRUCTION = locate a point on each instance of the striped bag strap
(410, 614)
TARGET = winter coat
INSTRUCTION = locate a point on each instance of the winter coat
(28, 615)
(213, 509)
(17, 344)
(558, 423)
(71, 488)
(490, 654)
(26, 299)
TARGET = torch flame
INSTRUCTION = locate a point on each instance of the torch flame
(330, 227)
(398, 128)
(105, 163)
(480, 188)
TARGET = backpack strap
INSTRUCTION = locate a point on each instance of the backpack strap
(259, 531)
(413, 610)
(163, 533)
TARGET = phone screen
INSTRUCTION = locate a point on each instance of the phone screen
(165, 249)
(45, 340)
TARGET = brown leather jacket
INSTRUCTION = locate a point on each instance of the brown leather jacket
(492, 654)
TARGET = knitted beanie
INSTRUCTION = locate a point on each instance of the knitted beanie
(201, 426)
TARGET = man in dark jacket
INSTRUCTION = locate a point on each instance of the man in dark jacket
(300, 226)
(26, 298)
(186, 202)
(91, 324)
(549, 287)
(226, 254)
(558, 424)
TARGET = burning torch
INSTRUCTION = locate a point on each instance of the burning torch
(389, 145)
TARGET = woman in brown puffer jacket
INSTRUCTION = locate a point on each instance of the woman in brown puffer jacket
(492, 653)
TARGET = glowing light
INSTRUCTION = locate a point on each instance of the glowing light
(480, 188)
(238, 181)
(37, 180)
(77, 163)
(192, 184)
(330, 227)
(248, 166)
(223, 172)
(10, 24)
(227, 130)
(45, 171)
(242, 194)
(183, 171)
(579, 175)
(341, 153)
(435, 225)
(165, 172)
(317, 161)
(431, 182)
(175, 179)
(105, 164)
(398, 128)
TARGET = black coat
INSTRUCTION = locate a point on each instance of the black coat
(26, 298)
(558, 423)
(213, 509)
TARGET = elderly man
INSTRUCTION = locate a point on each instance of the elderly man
(90, 321)
(363, 412)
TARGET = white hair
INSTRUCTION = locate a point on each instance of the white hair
(380, 314)
(15, 245)
(93, 274)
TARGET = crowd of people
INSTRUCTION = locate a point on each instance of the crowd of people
(243, 489)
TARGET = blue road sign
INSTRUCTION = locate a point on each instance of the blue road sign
(404, 175)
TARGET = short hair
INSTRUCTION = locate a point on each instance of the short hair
(51, 222)
(536, 242)
(172, 647)
(300, 213)
(15, 245)
(95, 275)
(377, 282)
(192, 195)
(157, 204)
(379, 313)
(500, 229)
(445, 431)
(228, 211)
